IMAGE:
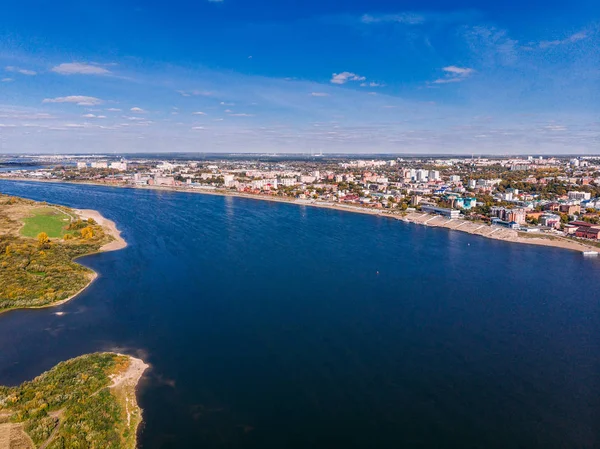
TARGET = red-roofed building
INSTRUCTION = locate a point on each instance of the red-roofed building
(586, 230)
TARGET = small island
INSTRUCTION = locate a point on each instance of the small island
(88, 401)
(38, 245)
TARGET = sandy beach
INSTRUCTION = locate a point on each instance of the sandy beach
(109, 225)
(124, 386)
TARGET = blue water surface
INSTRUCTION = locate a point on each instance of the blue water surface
(272, 325)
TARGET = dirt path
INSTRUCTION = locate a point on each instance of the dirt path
(58, 415)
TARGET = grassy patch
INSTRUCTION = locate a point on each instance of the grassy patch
(34, 274)
(48, 220)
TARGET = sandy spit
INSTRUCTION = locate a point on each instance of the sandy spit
(118, 242)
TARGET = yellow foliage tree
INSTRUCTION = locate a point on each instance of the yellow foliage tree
(43, 238)
(87, 233)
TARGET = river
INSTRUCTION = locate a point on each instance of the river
(272, 325)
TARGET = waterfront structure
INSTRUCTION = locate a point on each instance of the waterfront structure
(445, 212)
(506, 224)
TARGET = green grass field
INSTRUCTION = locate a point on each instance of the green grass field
(48, 220)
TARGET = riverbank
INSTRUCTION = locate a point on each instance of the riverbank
(495, 232)
(462, 225)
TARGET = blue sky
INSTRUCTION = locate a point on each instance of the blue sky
(299, 76)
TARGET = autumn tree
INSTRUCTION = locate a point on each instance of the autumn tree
(43, 238)
(87, 233)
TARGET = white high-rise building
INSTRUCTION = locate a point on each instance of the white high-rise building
(121, 166)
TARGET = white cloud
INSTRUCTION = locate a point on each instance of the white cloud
(344, 77)
(319, 94)
(454, 74)
(555, 128)
(114, 109)
(21, 71)
(372, 84)
(241, 115)
(93, 116)
(79, 100)
(189, 93)
(7, 80)
(462, 71)
(198, 113)
(406, 18)
(138, 110)
(77, 68)
(133, 118)
(198, 127)
(569, 40)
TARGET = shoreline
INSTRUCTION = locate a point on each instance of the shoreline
(437, 221)
(129, 381)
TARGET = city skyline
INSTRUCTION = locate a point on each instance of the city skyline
(362, 77)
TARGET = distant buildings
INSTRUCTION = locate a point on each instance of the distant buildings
(581, 196)
(121, 166)
(509, 215)
(550, 220)
(465, 203)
